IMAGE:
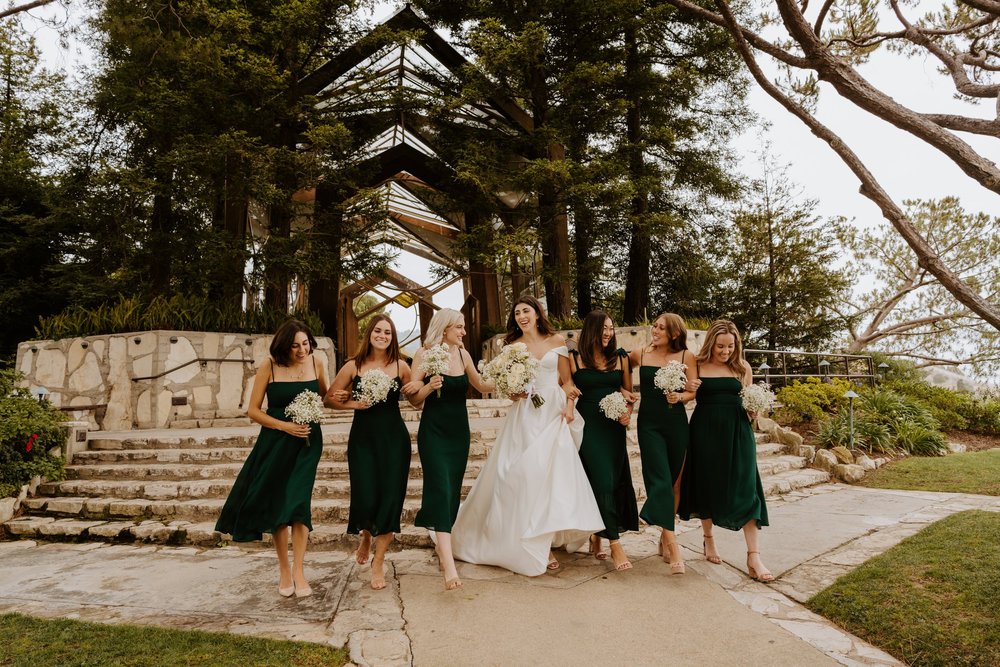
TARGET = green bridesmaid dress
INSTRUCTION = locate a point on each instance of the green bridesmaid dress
(378, 462)
(603, 452)
(275, 486)
(721, 481)
(443, 443)
(663, 434)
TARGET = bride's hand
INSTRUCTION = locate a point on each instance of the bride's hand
(572, 392)
(569, 414)
(518, 396)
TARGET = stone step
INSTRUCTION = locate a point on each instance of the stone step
(790, 480)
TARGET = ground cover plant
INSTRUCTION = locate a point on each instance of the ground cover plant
(28, 430)
(33, 641)
(972, 472)
(931, 599)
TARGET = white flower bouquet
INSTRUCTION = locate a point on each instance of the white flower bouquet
(373, 387)
(436, 360)
(614, 406)
(514, 371)
(671, 377)
(306, 408)
(758, 398)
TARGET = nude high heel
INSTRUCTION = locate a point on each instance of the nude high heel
(764, 576)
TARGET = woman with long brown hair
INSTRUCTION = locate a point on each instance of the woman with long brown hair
(663, 430)
(532, 494)
(721, 484)
(378, 448)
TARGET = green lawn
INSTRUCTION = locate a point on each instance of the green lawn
(933, 599)
(974, 472)
(35, 642)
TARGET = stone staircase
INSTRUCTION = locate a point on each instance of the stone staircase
(168, 485)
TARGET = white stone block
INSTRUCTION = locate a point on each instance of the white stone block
(50, 369)
(202, 396)
(230, 388)
(88, 376)
(143, 366)
(146, 345)
(144, 409)
(210, 345)
(98, 346)
(179, 353)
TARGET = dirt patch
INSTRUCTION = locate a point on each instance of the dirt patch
(973, 442)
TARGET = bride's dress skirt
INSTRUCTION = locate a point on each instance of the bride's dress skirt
(532, 494)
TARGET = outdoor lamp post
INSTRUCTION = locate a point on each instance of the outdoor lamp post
(764, 368)
(41, 393)
(883, 370)
(850, 396)
(824, 370)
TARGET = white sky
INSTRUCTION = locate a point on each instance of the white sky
(906, 167)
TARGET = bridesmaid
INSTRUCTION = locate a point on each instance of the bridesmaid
(443, 438)
(663, 430)
(721, 484)
(378, 448)
(601, 368)
(272, 493)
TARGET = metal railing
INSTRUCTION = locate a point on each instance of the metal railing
(780, 367)
(197, 360)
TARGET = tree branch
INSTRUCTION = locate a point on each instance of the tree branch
(17, 9)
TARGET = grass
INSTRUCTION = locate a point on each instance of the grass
(973, 472)
(39, 642)
(931, 600)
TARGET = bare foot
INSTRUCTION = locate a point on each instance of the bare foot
(378, 576)
(619, 558)
(364, 548)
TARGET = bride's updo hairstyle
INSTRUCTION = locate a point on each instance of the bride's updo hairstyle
(442, 319)
(590, 341)
(719, 328)
(514, 331)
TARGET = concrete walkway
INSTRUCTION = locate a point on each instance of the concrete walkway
(583, 614)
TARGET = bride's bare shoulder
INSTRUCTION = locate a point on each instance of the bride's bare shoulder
(555, 340)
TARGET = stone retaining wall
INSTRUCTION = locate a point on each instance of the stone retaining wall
(100, 375)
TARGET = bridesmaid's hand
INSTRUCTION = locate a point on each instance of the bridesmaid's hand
(298, 430)
(573, 392)
(412, 387)
(692, 385)
(436, 382)
(673, 397)
(361, 405)
(625, 418)
(339, 395)
(630, 396)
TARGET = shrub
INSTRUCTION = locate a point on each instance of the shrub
(810, 400)
(884, 420)
(28, 430)
(916, 439)
(868, 434)
(179, 313)
(955, 410)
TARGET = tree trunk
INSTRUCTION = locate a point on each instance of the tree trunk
(324, 289)
(637, 272)
(161, 225)
(276, 274)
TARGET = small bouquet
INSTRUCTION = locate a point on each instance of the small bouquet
(671, 377)
(373, 387)
(306, 408)
(514, 371)
(614, 406)
(436, 361)
(758, 398)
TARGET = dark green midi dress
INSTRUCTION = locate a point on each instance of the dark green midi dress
(603, 452)
(663, 434)
(721, 481)
(443, 443)
(274, 487)
(378, 462)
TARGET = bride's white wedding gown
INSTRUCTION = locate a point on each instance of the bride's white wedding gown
(533, 493)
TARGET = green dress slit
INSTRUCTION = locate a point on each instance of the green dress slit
(378, 462)
(274, 487)
(443, 443)
(721, 481)
(663, 434)
(603, 452)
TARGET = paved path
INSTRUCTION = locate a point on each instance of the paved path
(584, 614)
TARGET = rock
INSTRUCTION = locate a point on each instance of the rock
(879, 462)
(7, 508)
(865, 462)
(766, 425)
(786, 437)
(824, 460)
(28, 525)
(843, 454)
(152, 531)
(849, 472)
(808, 452)
(956, 447)
(110, 530)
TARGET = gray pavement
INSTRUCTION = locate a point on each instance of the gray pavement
(583, 614)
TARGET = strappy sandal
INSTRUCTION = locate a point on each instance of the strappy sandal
(764, 576)
(595, 548)
(711, 559)
(624, 565)
(676, 567)
(553, 563)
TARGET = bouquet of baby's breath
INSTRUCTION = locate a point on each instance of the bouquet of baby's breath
(513, 371)
(671, 377)
(373, 387)
(758, 398)
(306, 408)
(436, 360)
(614, 406)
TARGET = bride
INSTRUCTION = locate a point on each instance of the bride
(533, 493)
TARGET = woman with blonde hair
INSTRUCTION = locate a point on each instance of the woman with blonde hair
(443, 437)
(378, 447)
(663, 430)
(721, 484)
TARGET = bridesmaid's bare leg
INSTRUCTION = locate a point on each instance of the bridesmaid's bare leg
(708, 542)
(364, 548)
(755, 568)
(447, 561)
(300, 538)
(382, 543)
(285, 585)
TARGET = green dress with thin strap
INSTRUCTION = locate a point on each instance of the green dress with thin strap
(274, 487)
(603, 452)
(378, 462)
(721, 481)
(663, 434)
(443, 443)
